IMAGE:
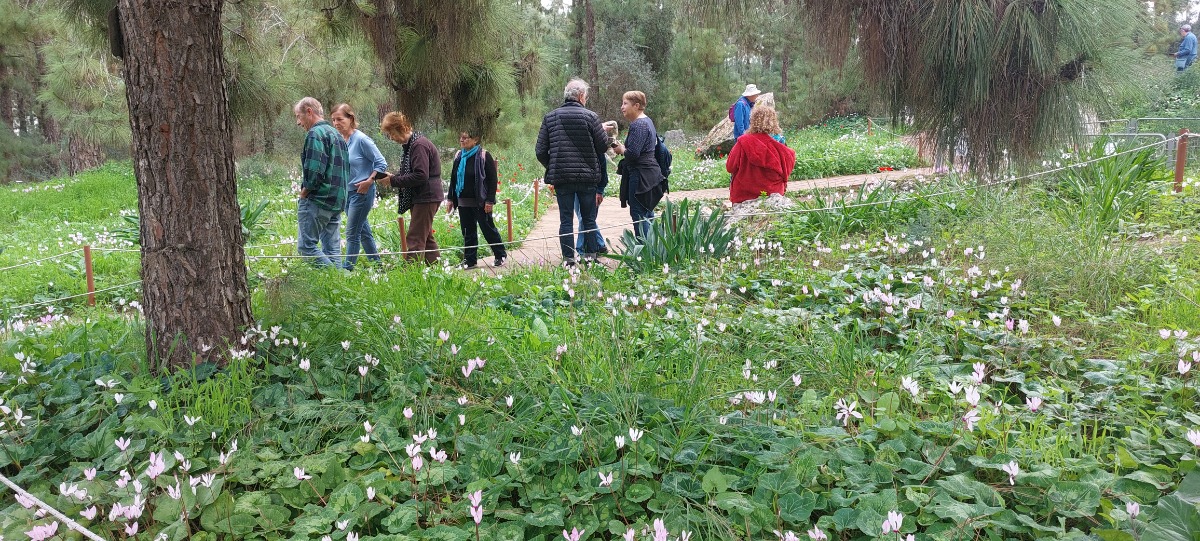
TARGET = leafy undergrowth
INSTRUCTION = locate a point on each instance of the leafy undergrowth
(818, 392)
(928, 369)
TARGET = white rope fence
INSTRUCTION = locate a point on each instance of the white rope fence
(46, 507)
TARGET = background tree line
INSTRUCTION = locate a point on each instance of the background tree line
(498, 63)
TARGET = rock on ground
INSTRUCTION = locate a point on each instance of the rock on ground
(719, 140)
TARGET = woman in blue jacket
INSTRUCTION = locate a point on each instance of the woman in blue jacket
(365, 162)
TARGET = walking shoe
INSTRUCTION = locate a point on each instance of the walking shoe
(603, 250)
(568, 263)
(465, 265)
(499, 261)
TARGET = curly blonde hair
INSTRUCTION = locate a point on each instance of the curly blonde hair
(763, 119)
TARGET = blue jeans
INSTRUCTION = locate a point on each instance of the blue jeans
(316, 223)
(642, 217)
(566, 218)
(358, 230)
(593, 236)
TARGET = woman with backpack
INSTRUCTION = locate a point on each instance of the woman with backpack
(473, 181)
(641, 177)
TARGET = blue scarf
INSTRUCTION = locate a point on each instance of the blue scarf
(461, 174)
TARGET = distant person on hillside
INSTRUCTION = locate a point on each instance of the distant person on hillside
(366, 162)
(641, 177)
(421, 172)
(473, 183)
(571, 145)
(1187, 48)
(758, 163)
(742, 108)
(325, 166)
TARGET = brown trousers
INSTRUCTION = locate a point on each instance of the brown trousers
(420, 233)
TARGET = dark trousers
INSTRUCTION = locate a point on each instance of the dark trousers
(469, 218)
(421, 245)
(566, 218)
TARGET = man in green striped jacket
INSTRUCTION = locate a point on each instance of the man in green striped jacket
(325, 163)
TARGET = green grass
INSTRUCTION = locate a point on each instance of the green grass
(733, 367)
(839, 147)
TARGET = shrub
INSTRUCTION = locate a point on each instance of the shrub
(681, 233)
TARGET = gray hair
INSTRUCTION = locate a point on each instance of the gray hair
(1186, 28)
(576, 90)
(310, 103)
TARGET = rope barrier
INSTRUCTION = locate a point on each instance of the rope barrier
(46, 507)
(36, 261)
(52, 301)
(632, 223)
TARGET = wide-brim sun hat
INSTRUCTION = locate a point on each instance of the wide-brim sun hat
(751, 90)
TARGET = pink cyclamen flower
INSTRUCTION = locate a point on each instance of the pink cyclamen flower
(1056, 320)
(89, 474)
(605, 480)
(1133, 509)
(1012, 469)
(629, 535)
(817, 535)
(1194, 437)
(796, 380)
(893, 522)
(845, 412)
(131, 529)
(972, 395)
(635, 434)
(1034, 402)
(572, 535)
(299, 473)
(408, 413)
(970, 418)
(477, 514)
(370, 493)
(444, 335)
(508, 401)
(620, 441)
(123, 443)
(1184, 367)
(352, 536)
(1164, 333)
(786, 536)
(362, 371)
(660, 530)
(89, 513)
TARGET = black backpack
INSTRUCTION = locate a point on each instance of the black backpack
(662, 155)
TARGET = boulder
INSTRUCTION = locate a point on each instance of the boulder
(674, 139)
(719, 140)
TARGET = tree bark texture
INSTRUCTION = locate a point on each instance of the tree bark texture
(593, 64)
(83, 155)
(195, 295)
(6, 94)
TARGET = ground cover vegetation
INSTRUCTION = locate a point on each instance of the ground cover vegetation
(965, 361)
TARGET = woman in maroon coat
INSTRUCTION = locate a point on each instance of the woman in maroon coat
(759, 164)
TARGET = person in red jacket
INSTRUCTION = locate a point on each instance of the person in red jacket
(758, 163)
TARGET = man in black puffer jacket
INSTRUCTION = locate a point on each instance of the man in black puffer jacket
(571, 145)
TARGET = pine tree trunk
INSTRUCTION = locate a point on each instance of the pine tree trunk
(48, 126)
(83, 155)
(6, 94)
(195, 296)
(590, 37)
(783, 82)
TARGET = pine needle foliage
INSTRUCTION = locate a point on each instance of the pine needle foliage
(438, 54)
(1008, 77)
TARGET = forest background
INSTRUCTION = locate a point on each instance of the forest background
(63, 95)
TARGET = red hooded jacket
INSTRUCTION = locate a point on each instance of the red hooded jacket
(758, 164)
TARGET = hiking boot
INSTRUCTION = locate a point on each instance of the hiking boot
(499, 261)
